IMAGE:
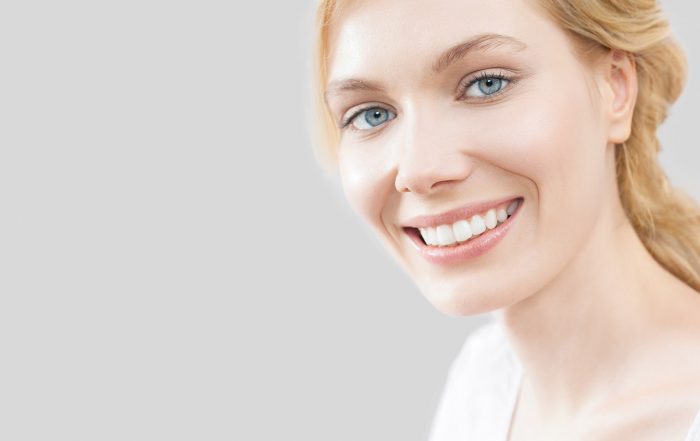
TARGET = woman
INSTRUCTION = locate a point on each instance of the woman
(505, 152)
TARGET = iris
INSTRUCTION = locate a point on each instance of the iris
(490, 86)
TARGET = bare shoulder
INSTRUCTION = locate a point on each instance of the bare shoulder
(666, 400)
(661, 396)
(670, 420)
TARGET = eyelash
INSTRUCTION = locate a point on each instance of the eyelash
(462, 89)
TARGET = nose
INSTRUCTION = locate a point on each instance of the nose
(430, 159)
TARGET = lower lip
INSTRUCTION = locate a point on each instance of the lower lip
(472, 248)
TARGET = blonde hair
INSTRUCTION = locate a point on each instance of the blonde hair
(666, 219)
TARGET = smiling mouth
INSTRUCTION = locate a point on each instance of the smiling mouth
(464, 230)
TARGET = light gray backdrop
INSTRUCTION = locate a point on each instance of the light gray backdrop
(172, 263)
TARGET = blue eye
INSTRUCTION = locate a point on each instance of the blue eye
(490, 86)
(370, 117)
(486, 85)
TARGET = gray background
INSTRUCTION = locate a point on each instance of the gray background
(173, 264)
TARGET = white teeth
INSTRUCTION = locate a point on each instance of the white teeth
(478, 225)
(511, 208)
(431, 236)
(445, 236)
(501, 215)
(462, 230)
(490, 219)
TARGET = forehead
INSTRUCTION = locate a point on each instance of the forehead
(381, 36)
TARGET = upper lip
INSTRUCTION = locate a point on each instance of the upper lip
(452, 216)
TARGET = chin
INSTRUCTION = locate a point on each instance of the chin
(467, 301)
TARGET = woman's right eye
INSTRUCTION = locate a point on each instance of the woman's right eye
(368, 118)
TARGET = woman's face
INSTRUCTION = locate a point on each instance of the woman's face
(435, 139)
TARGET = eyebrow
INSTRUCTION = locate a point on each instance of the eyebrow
(480, 42)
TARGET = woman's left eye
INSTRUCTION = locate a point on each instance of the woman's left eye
(486, 85)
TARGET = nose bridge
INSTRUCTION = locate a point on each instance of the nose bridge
(428, 156)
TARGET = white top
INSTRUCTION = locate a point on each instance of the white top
(479, 396)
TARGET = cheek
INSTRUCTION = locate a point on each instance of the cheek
(364, 184)
(553, 139)
(555, 143)
(570, 162)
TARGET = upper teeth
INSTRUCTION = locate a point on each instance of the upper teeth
(462, 230)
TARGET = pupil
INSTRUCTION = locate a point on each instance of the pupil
(488, 85)
(375, 117)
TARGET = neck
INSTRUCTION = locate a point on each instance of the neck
(578, 338)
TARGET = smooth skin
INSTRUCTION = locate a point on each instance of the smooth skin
(609, 340)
